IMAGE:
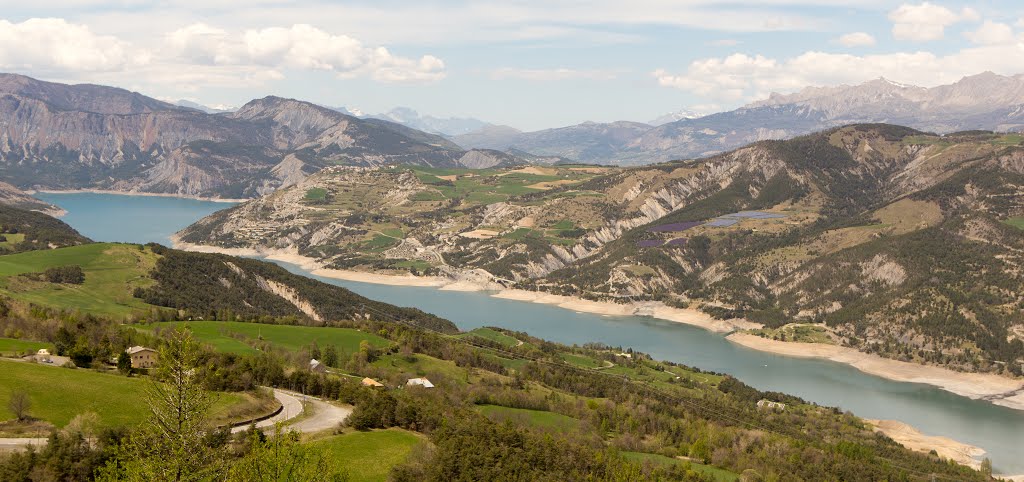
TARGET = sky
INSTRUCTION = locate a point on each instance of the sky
(524, 63)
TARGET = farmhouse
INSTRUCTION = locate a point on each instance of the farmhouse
(316, 367)
(143, 357)
(369, 382)
(423, 382)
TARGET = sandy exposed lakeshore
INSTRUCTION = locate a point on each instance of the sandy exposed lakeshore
(971, 385)
(946, 447)
(137, 193)
(652, 309)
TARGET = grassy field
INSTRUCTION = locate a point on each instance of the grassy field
(1016, 222)
(10, 240)
(492, 335)
(10, 346)
(369, 456)
(112, 272)
(316, 195)
(533, 418)
(580, 360)
(423, 365)
(224, 336)
(718, 474)
(58, 394)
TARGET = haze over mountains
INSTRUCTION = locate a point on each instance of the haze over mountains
(984, 101)
(62, 137)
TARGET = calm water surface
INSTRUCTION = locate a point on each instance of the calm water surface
(998, 430)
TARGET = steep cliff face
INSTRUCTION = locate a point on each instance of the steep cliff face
(57, 136)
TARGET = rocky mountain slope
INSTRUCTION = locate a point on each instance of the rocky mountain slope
(882, 237)
(58, 136)
(985, 101)
(14, 197)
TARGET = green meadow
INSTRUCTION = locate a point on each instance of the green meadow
(112, 272)
(59, 394)
(534, 418)
(369, 456)
(719, 475)
(13, 347)
(236, 337)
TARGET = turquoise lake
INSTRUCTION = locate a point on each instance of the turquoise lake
(999, 430)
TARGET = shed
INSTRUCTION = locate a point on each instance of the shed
(423, 382)
(369, 382)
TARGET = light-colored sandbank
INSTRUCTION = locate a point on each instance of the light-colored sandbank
(138, 193)
(477, 283)
(913, 439)
(997, 389)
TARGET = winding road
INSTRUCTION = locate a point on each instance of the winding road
(322, 416)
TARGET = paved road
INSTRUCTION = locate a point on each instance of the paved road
(323, 416)
(10, 444)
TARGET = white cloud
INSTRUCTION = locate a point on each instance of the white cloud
(300, 47)
(1020, 22)
(992, 33)
(544, 75)
(52, 45)
(926, 21)
(741, 77)
(857, 39)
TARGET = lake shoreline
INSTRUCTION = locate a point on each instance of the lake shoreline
(976, 386)
(136, 193)
(651, 309)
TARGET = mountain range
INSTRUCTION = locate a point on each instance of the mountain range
(62, 137)
(57, 136)
(984, 101)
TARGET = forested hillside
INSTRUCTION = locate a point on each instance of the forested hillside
(23, 230)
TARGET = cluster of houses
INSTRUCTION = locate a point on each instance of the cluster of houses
(142, 357)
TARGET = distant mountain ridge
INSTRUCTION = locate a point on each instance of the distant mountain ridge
(986, 101)
(58, 136)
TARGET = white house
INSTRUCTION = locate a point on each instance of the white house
(423, 382)
(316, 366)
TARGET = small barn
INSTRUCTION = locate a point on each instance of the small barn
(43, 355)
(369, 382)
(423, 382)
(143, 357)
(316, 366)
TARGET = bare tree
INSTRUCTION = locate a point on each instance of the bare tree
(19, 404)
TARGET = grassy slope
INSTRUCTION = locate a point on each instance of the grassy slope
(718, 474)
(114, 398)
(1016, 222)
(492, 335)
(112, 272)
(369, 456)
(533, 418)
(292, 338)
(11, 346)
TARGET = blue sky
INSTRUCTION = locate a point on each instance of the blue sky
(528, 64)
